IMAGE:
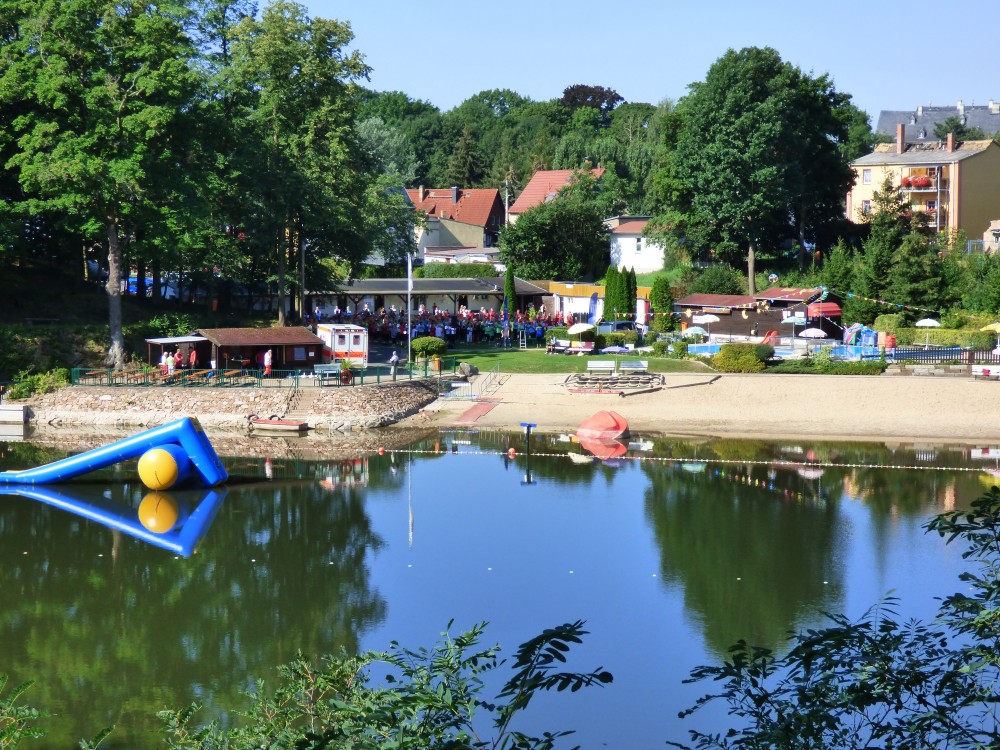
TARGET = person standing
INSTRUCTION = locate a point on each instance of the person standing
(178, 359)
(193, 359)
(267, 362)
(393, 363)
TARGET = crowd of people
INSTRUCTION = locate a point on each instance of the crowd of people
(465, 326)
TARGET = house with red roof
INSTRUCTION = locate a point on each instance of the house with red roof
(629, 249)
(458, 218)
(543, 186)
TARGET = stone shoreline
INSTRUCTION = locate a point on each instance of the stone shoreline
(334, 409)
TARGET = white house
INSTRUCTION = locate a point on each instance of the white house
(629, 248)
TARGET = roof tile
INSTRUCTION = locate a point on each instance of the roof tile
(543, 185)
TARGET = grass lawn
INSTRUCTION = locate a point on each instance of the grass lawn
(537, 361)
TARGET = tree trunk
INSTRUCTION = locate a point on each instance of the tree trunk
(157, 297)
(751, 271)
(116, 353)
(140, 281)
(281, 284)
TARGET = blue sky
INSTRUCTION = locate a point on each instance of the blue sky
(887, 55)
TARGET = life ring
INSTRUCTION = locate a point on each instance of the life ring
(346, 377)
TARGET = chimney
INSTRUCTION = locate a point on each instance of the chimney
(454, 194)
(900, 137)
(951, 142)
(920, 111)
(421, 194)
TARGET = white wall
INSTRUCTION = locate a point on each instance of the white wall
(633, 251)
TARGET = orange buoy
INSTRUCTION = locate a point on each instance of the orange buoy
(381, 451)
(512, 453)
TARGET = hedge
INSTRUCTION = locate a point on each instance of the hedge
(428, 346)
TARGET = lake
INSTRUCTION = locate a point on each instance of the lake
(670, 554)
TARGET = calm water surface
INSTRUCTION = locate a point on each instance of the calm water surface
(669, 557)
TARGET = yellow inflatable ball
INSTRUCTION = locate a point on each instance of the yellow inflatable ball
(158, 512)
(161, 468)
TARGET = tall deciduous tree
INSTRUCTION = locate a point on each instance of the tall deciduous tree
(308, 194)
(100, 83)
(759, 146)
(561, 239)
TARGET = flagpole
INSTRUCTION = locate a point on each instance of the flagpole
(409, 306)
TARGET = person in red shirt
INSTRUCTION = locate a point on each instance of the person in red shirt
(193, 359)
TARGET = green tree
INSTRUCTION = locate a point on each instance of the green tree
(839, 268)
(889, 225)
(465, 165)
(876, 681)
(99, 84)
(759, 146)
(306, 193)
(632, 291)
(981, 283)
(509, 292)
(916, 276)
(388, 149)
(560, 239)
(719, 279)
(961, 131)
(614, 293)
(662, 300)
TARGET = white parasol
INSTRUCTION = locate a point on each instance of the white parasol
(927, 323)
(578, 328)
(705, 319)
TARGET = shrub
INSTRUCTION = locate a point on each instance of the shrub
(455, 271)
(660, 348)
(720, 279)
(25, 384)
(764, 352)
(738, 358)
(557, 332)
(428, 346)
(680, 349)
(620, 338)
(889, 323)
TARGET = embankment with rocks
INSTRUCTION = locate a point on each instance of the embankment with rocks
(343, 409)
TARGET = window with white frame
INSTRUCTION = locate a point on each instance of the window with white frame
(638, 244)
(866, 176)
(866, 207)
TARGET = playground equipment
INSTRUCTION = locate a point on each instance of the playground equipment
(170, 454)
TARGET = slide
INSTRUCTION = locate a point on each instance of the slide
(173, 521)
(185, 433)
(771, 337)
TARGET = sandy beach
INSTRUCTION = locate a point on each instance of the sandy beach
(941, 409)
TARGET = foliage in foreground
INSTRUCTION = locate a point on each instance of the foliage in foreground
(26, 384)
(433, 699)
(878, 682)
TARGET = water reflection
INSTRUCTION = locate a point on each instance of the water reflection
(175, 520)
(669, 557)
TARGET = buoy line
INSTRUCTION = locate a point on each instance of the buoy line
(774, 463)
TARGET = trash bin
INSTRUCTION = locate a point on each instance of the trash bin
(890, 341)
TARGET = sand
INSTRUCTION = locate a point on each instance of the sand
(914, 408)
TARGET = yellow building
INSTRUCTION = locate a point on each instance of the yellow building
(955, 183)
